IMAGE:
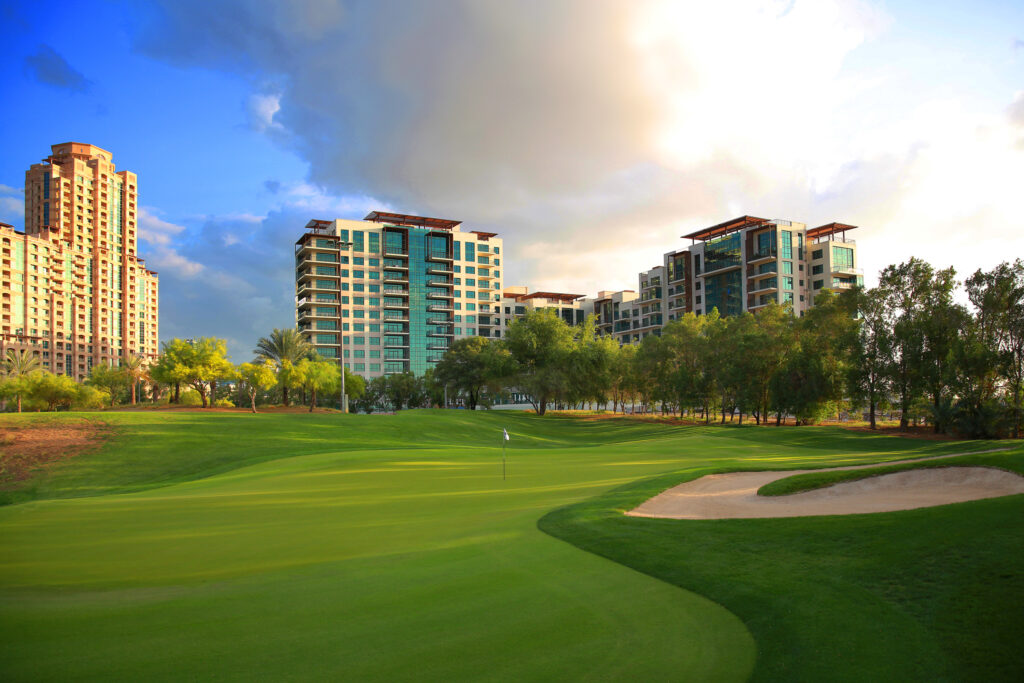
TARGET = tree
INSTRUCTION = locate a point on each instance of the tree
(998, 297)
(905, 289)
(401, 390)
(19, 367)
(53, 390)
(539, 344)
(108, 379)
(172, 366)
(201, 363)
(256, 377)
(867, 376)
(284, 346)
(471, 366)
(319, 376)
(134, 367)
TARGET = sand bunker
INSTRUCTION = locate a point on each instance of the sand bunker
(734, 495)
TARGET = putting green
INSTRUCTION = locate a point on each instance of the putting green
(327, 546)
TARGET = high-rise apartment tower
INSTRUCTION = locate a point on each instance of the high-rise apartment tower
(73, 289)
(390, 293)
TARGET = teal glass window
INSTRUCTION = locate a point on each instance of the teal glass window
(722, 253)
(359, 243)
(374, 243)
(842, 257)
(787, 283)
(357, 300)
(374, 367)
(357, 327)
(470, 252)
(787, 267)
(787, 243)
(470, 270)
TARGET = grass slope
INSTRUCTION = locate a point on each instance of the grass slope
(930, 594)
(321, 546)
(818, 480)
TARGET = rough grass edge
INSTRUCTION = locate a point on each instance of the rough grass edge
(811, 481)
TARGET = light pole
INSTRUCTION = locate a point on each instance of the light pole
(344, 396)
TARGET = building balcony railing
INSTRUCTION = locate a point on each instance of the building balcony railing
(484, 276)
(396, 317)
(436, 256)
(847, 270)
(394, 254)
(312, 314)
(439, 296)
(439, 270)
(765, 286)
(440, 321)
(395, 291)
(435, 333)
(761, 255)
(394, 305)
(312, 246)
(437, 347)
(439, 308)
(391, 345)
(440, 283)
(395, 279)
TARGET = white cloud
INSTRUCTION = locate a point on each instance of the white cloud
(605, 130)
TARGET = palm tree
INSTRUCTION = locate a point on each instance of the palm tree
(134, 367)
(19, 365)
(283, 345)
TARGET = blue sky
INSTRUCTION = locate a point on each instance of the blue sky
(589, 134)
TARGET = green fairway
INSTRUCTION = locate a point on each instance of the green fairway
(235, 546)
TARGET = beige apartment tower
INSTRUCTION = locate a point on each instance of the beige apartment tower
(73, 288)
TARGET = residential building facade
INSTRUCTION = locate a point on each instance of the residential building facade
(73, 289)
(741, 265)
(390, 293)
(517, 301)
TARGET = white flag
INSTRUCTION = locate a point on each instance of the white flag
(506, 433)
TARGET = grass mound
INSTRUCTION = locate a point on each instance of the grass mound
(816, 480)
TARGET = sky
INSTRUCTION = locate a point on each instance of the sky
(590, 134)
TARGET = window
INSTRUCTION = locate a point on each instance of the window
(786, 238)
(787, 267)
(787, 283)
(818, 284)
(818, 269)
(817, 254)
(842, 257)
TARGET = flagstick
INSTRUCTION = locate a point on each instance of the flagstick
(503, 440)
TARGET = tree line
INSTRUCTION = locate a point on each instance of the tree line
(906, 346)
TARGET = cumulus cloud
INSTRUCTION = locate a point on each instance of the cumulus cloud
(615, 126)
(161, 254)
(12, 205)
(48, 67)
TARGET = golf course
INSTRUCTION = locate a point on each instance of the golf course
(191, 545)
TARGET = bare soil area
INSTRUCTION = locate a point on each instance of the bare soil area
(26, 448)
(734, 495)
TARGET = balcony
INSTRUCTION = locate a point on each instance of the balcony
(396, 317)
(439, 296)
(761, 256)
(440, 283)
(394, 254)
(439, 308)
(440, 321)
(438, 257)
(395, 291)
(846, 270)
(439, 270)
(395, 279)
(480, 275)
(432, 346)
(394, 345)
(765, 286)
(313, 315)
(435, 333)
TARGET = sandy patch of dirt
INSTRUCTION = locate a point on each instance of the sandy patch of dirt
(24, 448)
(734, 495)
